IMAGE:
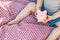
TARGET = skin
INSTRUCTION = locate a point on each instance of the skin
(56, 32)
(31, 7)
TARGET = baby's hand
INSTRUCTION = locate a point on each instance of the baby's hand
(48, 19)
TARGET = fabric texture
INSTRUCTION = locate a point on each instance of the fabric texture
(52, 22)
(27, 29)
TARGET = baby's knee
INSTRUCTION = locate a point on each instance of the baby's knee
(31, 3)
(32, 6)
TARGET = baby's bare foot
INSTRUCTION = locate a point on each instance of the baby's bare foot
(13, 22)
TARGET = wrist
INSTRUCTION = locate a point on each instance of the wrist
(38, 8)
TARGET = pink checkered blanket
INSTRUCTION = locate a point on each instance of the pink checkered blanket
(27, 29)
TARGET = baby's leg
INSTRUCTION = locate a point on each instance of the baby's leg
(24, 13)
(55, 33)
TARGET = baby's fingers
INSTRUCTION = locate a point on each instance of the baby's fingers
(49, 18)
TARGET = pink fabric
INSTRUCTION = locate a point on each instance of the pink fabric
(27, 29)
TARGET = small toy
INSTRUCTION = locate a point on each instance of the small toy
(41, 15)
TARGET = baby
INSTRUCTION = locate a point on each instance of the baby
(31, 7)
(53, 8)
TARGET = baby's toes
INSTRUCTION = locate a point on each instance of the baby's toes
(11, 22)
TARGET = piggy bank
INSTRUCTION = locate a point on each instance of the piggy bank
(41, 15)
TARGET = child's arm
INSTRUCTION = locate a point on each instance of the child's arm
(39, 4)
(56, 32)
(56, 15)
